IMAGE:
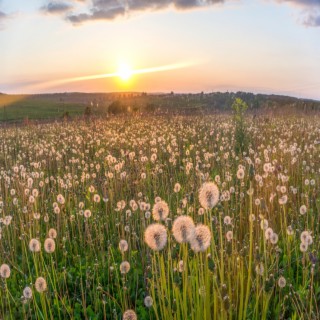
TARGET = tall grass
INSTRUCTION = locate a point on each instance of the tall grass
(96, 184)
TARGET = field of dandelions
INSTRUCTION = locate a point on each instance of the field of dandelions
(159, 218)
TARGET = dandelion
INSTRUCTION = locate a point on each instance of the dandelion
(283, 200)
(155, 236)
(282, 282)
(202, 238)
(306, 238)
(52, 233)
(61, 199)
(124, 267)
(227, 220)
(240, 173)
(183, 229)
(87, 213)
(268, 233)
(40, 284)
(160, 210)
(27, 293)
(96, 198)
(303, 247)
(209, 195)
(274, 238)
(34, 245)
(148, 301)
(123, 245)
(129, 315)
(229, 235)
(303, 210)
(49, 245)
(177, 187)
(5, 271)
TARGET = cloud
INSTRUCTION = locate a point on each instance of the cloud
(55, 7)
(3, 17)
(311, 10)
(111, 9)
(81, 11)
(312, 20)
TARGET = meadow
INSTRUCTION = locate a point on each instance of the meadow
(160, 217)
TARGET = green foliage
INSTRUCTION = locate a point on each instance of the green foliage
(117, 107)
(239, 108)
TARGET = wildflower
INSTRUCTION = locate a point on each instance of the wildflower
(160, 210)
(41, 284)
(148, 301)
(240, 173)
(96, 198)
(87, 213)
(229, 235)
(303, 209)
(303, 247)
(124, 267)
(227, 220)
(34, 245)
(52, 233)
(155, 236)
(27, 293)
(129, 315)
(209, 195)
(61, 199)
(177, 187)
(5, 271)
(274, 238)
(268, 233)
(202, 238)
(306, 238)
(183, 229)
(282, 282)
(49, 245)
(123, 245)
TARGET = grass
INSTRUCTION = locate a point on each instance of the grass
(52, 173)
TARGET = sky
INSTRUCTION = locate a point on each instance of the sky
(261, 46)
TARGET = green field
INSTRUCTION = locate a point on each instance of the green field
(156, 217)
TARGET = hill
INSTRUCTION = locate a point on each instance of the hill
(55, 106)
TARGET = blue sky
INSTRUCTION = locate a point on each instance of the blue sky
(250, 45)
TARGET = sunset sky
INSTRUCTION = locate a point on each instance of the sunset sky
(267, 46)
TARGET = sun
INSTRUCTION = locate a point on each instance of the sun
(124, 72)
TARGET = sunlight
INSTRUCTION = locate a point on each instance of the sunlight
(124, 72)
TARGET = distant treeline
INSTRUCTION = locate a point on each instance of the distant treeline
(65, 105)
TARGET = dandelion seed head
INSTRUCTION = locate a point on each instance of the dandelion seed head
(129, 315)
(125, 267)
(209, 195)
(183, 229)
(49, 245)
(155, 236)
(5, 271)
(40, 284)
(160, 211)
(202, 238)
